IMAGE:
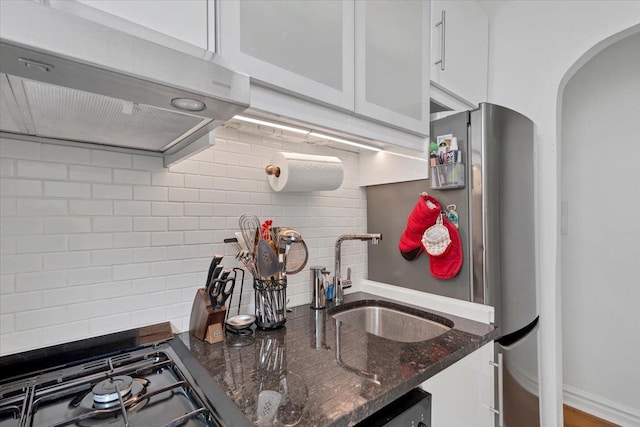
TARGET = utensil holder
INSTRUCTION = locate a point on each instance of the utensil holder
(270, 302)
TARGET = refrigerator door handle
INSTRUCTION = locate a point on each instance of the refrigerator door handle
(499, 411)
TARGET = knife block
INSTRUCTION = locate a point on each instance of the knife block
(203, 315)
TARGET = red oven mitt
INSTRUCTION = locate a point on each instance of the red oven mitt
(447, 265)
(423, 216)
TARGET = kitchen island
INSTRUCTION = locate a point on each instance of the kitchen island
(291, 375)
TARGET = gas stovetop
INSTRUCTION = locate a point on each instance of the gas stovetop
(144, 386)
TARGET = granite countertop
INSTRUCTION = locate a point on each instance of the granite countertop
(299, 362)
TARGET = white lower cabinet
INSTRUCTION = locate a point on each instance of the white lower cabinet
(462, 395)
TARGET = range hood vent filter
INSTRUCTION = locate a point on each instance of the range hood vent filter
(69, 114)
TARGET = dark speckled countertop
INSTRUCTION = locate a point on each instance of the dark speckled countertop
(294, 369)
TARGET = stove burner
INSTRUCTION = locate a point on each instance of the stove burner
(107, 390)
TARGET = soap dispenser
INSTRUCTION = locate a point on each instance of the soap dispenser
(318, 296)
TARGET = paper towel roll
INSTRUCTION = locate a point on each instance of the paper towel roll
(305, 172)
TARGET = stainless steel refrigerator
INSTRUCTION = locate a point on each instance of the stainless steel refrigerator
(495, 207)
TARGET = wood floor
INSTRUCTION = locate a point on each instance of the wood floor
(576, 418)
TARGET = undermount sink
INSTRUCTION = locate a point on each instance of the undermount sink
(391, 321)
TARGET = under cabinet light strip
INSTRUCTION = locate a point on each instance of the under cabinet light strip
(344, 141)
(273, 125)
(304, 132)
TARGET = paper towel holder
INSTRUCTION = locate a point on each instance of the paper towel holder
(272, 170)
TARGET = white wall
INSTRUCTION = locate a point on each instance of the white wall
(533, 49)
(600, 274)
(95, 241)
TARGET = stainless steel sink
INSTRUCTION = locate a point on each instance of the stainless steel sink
(391, 321)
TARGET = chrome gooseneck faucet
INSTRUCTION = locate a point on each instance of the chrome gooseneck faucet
(340, 283)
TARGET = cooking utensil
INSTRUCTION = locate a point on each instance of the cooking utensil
(249, 226)
(266, 260)
(221, 289)
(297, 257)
(214, 263)
(239, 322)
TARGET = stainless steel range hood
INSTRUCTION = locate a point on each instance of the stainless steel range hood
(64, 78)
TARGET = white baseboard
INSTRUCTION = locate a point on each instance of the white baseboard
(600, 407)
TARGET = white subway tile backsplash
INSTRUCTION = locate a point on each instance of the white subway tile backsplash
(196, 237)
(89, 276)
(74, 190)
(126, 176)
(33, 169)
(167, 209)
(149, 254)
(149, 285)
(198, 181)
(8, 245)
(41, 207)
(41, 243)
(90, 207)
(89, 310)
(19, 302)
(67, 225)
(185, 166)
(127, 235)
(7, 284)
(151, 193)
(64, 296)
(109, 290)
(108, 324)
(111, 256)
(109, 191)
(148, 163)
(8, 207)
(182, 252)
(64, 333)
(167, 179)
(131, 208)
(148, 316)
(66, 260)
(110, 224)
(129, 304)
(18, 149)
(64, 154)
(167, 238)
(7, 324)
(212, 196)
(79, 242)
(131, 240)
(130, 271)
(198, 209)
(16, 226)
(43, 317)
(213, 223)
(40, 281)
(20, 187)
(150, 224)
(89, 174)
(183, 195)
(111, 159)
(11, 264)
(183, 223)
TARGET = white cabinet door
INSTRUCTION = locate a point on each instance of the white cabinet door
(301, 47)
(460, 48)
(185, 20)
(392, 55)
(462, 394)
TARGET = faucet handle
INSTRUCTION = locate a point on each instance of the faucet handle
(346, 283)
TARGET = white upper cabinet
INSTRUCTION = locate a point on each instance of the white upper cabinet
(185, 20)
(301, 47)
(392, 56)
(460, 49)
